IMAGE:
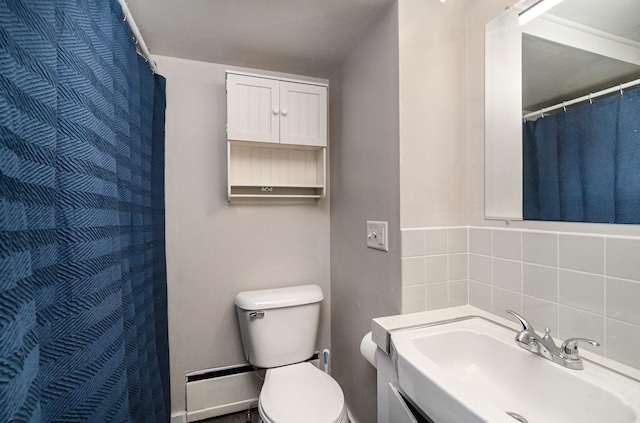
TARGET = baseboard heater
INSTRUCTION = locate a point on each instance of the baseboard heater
(220, 391)
(224, 390)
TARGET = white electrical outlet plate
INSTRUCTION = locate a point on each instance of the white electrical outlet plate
(377, 235)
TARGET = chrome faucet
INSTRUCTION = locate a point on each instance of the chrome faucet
(566, 355)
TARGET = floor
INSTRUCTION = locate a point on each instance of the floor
(240, 417)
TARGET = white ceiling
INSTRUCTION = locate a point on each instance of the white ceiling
(306, 37)
(553, 72)
(313, 37)
(616, 17)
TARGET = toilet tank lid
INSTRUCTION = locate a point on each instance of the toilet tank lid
(279, 297)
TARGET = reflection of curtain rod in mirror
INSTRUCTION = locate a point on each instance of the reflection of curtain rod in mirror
(589, 97)
(536, 10)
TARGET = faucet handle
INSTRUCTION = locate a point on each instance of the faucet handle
(570, 347)
(525, 324)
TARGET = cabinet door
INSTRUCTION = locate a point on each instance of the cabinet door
(303, 110)
(253, 109)
(398, 410)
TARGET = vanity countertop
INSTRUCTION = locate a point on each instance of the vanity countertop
(383, 327)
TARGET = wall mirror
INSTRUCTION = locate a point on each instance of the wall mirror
(550, 67)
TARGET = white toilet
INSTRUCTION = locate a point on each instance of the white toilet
(279, 329)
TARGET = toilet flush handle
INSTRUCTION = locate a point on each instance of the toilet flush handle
(256, 314)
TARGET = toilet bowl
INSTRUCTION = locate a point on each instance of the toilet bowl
(279, 328)
(301, 393)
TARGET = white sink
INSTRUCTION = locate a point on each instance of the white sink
(472, 371)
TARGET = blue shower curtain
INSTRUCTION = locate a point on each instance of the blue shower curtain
(83, 313)
(583, 165)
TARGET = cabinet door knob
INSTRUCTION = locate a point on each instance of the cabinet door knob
(284, 112)
(275, 111)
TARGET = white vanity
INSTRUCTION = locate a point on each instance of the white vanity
(463, 365)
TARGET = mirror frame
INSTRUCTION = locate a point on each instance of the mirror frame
(503, 117)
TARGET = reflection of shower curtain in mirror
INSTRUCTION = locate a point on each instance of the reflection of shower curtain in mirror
(583, 165)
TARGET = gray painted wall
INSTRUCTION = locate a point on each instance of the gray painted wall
(365, 185)
(216, 249)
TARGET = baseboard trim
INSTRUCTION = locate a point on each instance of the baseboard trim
(180, 417)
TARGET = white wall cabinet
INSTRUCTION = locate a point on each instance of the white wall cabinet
(263, 109)
(276, 137)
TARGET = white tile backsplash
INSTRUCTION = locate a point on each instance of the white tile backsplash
(579, 323)
(480, 296)
(458, 293)
(436, 241)
(413, 271)
(584, 253)
(541, 314)
(435, 262)
(480, 268)
(507, 244)
(623, 258)
(413, 299)
(413, 243)
(582, 290)
(577, 285)
(540, 248)
(437, 295)
(623, 342)
(458, 266)
(480, 241)
(504, 300)
(458, 240)
(623, 300)
(540, 281)
(507, 274)
(437, 270)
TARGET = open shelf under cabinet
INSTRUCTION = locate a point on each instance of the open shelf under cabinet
(260, 170)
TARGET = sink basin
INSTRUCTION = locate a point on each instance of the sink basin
(472, 371)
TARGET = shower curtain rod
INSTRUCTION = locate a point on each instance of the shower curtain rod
(589, 97)
(135, 31)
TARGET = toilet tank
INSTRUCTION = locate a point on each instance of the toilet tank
(279, 326)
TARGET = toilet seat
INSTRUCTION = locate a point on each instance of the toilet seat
(301, 393)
